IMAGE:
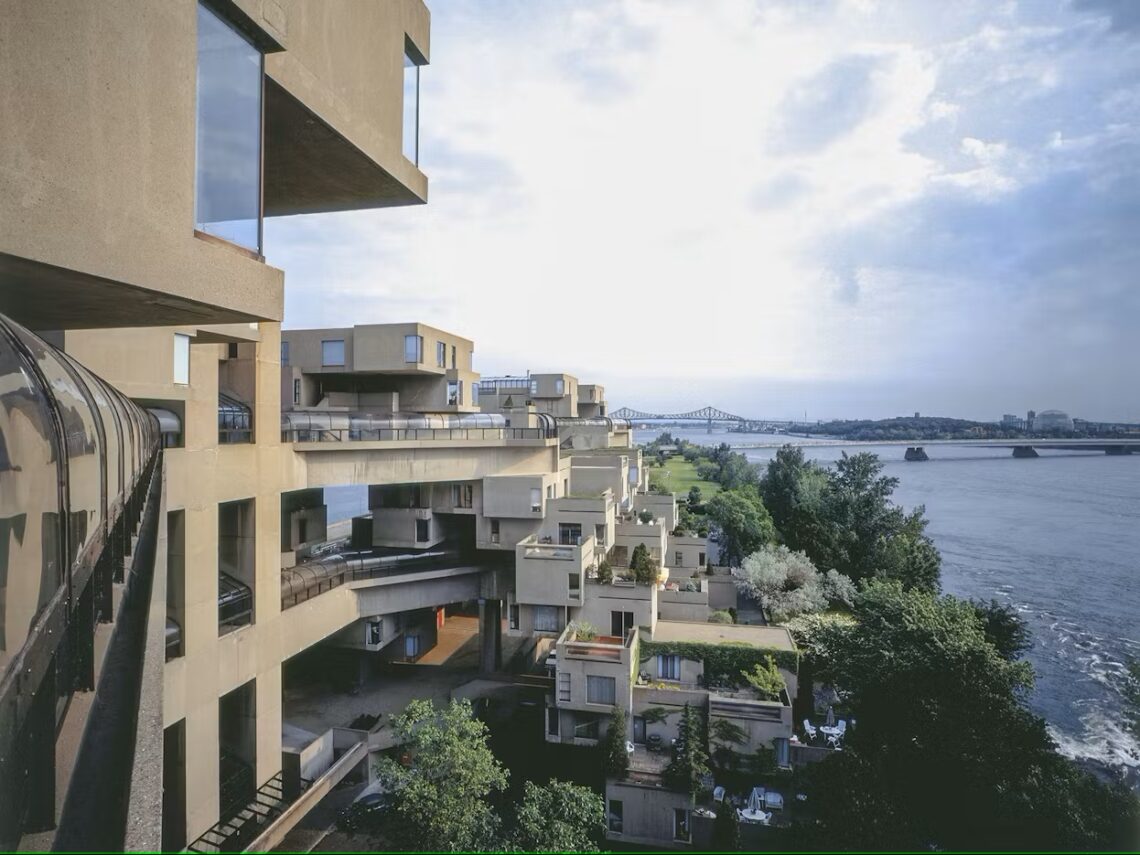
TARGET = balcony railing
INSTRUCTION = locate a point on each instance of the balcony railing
(412, 434)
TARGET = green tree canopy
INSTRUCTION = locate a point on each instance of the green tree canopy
(439, 794)
(690, 758)
(615, 759)
(741, 522)
(558, 817)
(786, 584)
(945, 754)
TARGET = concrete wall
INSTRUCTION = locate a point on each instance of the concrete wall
(647, 813)
(101, 183)
(683, 605)
(661, 505)
(542, 571)
(693, 554)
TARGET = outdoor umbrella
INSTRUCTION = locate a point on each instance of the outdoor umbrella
(830, 717)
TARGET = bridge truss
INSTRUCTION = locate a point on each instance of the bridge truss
(706, 414)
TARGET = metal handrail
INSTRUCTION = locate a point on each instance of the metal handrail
(413, 434)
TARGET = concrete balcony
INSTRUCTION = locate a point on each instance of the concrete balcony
(552, 574)
(593, 672)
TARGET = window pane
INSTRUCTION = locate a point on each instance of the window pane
(411, 110)
(228, 175)
(284, 353)
(535, 499)
(452, 394)
(413, 348)
(600, 690)
(546, 619)
(181, 359)
(441, 354)
(332, 352)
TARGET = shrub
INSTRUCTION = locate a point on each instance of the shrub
(605, 572)
(766, 679)
(721, 616)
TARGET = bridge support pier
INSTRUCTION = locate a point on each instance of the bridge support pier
(490, 636)
(916, 453)
(1024, 451)
(1115, 450)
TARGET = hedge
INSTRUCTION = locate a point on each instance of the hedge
(723, 661)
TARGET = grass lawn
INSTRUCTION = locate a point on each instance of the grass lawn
(680, 475)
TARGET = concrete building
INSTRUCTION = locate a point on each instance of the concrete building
(165, 543)
(146, 142)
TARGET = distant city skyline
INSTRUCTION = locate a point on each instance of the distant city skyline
(893, 206)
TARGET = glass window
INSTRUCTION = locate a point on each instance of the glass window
(453, 357)
(494, 531)
(461, 393)
(474, 394)
(600, 690)
(575, 586)
(536, 498)
(284, 353)
(182, 359)
(559, 387)
(534, 387)
(332, 352)
(413, 348)
(616, 814)
(678, 558)
(546, 619)
(452, 393)
(441, 354)
(680, 823)
(297, 390)
(513, 616)
(411, 109)
(423, 530)
(668, 667)
(227, 191)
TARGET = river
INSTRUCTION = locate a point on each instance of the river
(1058, 538)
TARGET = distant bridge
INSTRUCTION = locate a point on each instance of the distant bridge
(916, 448)
(708, 415)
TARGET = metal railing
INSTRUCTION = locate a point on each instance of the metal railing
(412, 434)
(354, 569)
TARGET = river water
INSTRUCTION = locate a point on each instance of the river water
(1058, 538)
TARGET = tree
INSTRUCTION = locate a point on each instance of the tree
(724, 736)
(720, 616)
(645, 569)
(690, 757)
(941, 715)
(559, 817)
(439, 794)
(766, 679)
(726, 829)
(605, 572)
(742, 524)
(838, 589)
(1003, 628)
(786, 584)
(615, 759)
(694, 497)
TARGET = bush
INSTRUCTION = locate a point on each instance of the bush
(583, 631)
(766, 679)
(645, 516)
(605, 572)
(721, 616)
(645, 569)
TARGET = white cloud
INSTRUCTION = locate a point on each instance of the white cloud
(613, 193)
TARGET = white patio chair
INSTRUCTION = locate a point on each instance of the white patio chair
(810, 730)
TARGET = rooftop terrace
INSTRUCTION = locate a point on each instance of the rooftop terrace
(772, 637)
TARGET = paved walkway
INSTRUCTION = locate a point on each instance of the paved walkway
(457, 644)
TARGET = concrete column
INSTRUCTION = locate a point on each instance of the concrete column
(490, 635)
(916, 453)
(1024, 451)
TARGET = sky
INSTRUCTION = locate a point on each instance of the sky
(847, 208)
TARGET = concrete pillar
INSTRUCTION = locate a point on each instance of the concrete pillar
(916, 453)
(490, 635)
(1024, 451)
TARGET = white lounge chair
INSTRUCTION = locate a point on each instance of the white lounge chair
(810, 731)
(718, 794)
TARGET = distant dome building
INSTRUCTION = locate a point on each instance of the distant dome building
(1050, 420)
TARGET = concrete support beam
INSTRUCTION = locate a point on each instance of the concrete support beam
(916, 453)
(1024, 451)
(490, 635)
